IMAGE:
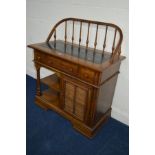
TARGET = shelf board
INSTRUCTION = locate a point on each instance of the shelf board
(50, 96)
(52, 81)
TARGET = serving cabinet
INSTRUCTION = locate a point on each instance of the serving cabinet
(83, 84)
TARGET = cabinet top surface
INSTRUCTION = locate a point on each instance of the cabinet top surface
(73, 53)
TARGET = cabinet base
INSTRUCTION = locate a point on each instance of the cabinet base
(90, 132)
(77, 125)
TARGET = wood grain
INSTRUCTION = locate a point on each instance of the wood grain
(81, 91)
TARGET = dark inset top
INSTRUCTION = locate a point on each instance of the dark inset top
(84, 53)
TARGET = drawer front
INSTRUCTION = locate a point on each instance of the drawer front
(56, 63)
(87, 75)
(67, 67)
(40, 57)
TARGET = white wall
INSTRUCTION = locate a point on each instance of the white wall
(43, 14)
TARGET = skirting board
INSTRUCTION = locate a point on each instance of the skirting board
(120, 116)
(43, 73)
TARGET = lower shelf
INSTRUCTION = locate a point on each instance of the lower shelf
(52, 81)
(49, 96)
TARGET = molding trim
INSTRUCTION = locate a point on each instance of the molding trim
(120, 116)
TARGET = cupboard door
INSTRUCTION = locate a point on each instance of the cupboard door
(69, 97)
(76, 98)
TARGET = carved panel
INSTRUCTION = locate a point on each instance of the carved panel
(76, 98)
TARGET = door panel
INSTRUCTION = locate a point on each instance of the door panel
(69, 103)
(81, 95)
(76, 99)
(69, 90)
(79, 112)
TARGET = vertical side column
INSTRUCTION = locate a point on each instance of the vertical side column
(62, 93)
(91, 107)
(38, 93)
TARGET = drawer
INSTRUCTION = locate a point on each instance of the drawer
(68, 67)
(40, 57)
(56, 63)
(62, 65)
(87, 74)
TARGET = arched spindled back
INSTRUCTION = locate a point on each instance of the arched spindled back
(116, 46)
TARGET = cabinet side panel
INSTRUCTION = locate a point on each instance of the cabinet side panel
(106, 93)
(111, 70)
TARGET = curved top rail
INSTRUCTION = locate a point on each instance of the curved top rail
(115, 51)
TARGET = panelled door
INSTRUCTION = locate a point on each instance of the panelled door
(77, 97)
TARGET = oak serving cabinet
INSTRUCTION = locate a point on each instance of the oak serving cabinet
(83, 84)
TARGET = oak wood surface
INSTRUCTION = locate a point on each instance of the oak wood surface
(52, 81)
(83, 87)
(73, 59)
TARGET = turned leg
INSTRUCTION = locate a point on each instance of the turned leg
(38, 93)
